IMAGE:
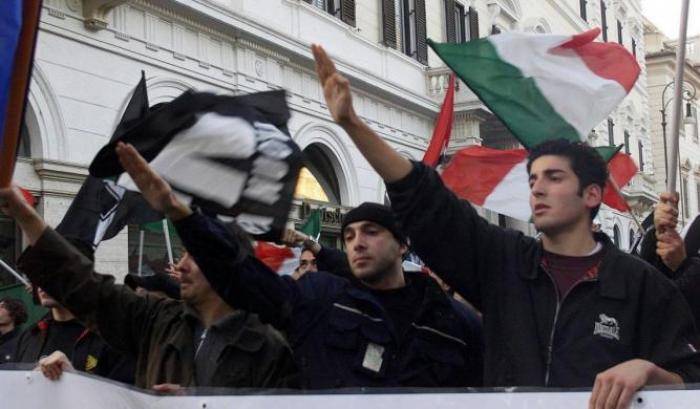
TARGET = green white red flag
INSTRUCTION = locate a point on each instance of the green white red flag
(544, 86)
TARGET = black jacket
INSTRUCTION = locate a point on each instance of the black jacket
(89, 354)
(340, 333)
(629, 311)
(7, 345)
(686, 277)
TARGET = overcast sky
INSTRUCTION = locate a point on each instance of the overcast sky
(666, 14)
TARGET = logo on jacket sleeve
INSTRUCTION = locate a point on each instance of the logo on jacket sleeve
(607, 327)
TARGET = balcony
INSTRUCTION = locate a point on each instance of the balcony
(640, 193)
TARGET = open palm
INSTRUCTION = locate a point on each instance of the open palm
(154, 188)
(336, 88)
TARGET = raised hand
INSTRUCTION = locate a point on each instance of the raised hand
(154, 188)
(13, 204)
(336, 88)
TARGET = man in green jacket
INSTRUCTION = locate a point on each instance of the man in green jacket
(199, 341)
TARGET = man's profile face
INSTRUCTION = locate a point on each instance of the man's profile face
(307, 263)
(194, 287)
(5, 317)
(555, 198)
(371, 250)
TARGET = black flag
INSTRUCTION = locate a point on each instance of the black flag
(101, 208)
(229, 155)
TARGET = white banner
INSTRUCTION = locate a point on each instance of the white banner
(21, 389)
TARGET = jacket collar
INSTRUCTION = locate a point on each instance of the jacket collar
(433, 294)
(612, 282)
(237, 330)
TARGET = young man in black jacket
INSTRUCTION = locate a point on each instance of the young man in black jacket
(567, 310)
(381, 327)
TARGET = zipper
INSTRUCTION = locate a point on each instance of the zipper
(560, 302)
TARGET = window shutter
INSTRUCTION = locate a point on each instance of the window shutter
(627, 142)
(347, 11)
(611, 132)
(473, 23)
(450, 21)
(389, 23)
(421, 34)
(641, 156)
(582, 6)
(604, 20)
(634, 47)
(619, 32)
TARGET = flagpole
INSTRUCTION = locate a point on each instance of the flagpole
(677, 98)
(13, 272)
(16, 101)
(141, 234)
(168, 245)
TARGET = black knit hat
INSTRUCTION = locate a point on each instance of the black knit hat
(376, 213)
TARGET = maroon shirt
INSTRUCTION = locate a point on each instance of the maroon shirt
(567, 270)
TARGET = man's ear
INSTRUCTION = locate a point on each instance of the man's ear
(593, 195)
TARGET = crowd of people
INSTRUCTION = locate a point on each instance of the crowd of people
(565, 309)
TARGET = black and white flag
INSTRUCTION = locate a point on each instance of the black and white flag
(102, 208)
(230, 155)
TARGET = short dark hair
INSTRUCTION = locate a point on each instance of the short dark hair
(17, 310)
(587, 164)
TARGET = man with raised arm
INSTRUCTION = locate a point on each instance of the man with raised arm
(379, 327)
(197, 342)
(567, 310)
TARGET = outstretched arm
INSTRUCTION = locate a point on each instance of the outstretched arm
(336, 89)
(242, 281)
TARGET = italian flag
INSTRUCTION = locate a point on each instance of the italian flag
(544, 86)
(497, 179)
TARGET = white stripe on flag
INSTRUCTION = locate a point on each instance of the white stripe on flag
(576, 101)
(512, 195)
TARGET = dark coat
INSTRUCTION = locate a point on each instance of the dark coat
(89, 353)
(157, 331)
(7, 345)
(532, 338)
(340, 333)
(686, 277)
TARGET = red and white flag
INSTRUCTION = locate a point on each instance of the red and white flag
(497, 179)
(281, 259)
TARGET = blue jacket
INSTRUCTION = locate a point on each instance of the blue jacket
(340, 334)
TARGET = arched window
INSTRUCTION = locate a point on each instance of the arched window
(317, 179)
(24, 149)
(632, 237)
(616, 236)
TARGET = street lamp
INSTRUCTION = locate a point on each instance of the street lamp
(689, 92)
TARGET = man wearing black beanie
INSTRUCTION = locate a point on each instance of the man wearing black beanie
(377, 327)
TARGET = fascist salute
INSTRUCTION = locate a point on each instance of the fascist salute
(380, 327)
(567, 310)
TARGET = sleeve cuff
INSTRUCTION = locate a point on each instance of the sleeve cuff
(409, 180)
